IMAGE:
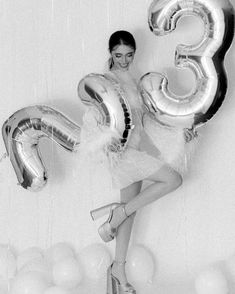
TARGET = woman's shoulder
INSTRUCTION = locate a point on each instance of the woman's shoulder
(109, 74)
(122, 77)
(125, 82)
(112, 77)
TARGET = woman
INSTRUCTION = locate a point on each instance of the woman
(134, 166)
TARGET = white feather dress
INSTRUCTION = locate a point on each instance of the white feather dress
(136, 163)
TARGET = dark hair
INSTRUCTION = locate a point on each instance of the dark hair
(121, 38)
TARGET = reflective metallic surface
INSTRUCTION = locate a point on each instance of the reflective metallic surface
(107, 95)
(23, 130)
(205, 59)
(21, 134)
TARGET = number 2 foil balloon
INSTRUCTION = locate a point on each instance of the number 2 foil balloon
(22, 133)
(24, 129)
(205, 59)
(108, 96)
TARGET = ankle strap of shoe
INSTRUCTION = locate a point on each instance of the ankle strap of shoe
(124, 209)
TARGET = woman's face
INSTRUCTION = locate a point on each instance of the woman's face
(122, 56)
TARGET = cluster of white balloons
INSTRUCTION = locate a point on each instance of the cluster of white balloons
(57, 270)
(60, 270)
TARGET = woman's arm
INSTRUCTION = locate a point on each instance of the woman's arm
(190, 134)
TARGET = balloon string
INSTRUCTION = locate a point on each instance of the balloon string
(9, 230)
(51, 204)
(50, 222)
(185, 234)
(123, 10)
(68, 19)
(8, 278)
(108, 14)
(38, 221)
(3, 157)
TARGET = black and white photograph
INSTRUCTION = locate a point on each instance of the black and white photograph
(117, 167)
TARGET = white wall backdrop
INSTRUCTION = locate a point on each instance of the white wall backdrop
(46, 47)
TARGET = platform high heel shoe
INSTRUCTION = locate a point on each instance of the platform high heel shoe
(106, 231)
(115, 287)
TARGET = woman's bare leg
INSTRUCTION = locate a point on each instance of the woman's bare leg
(124, 233)
(165, 180)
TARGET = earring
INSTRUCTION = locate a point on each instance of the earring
(111, 63)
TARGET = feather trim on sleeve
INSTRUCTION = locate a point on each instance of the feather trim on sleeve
(95, 136)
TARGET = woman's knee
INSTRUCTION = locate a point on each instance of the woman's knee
(174, 179)
(168, 176)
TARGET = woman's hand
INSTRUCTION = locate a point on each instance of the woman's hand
(115, 145)
(190, 134)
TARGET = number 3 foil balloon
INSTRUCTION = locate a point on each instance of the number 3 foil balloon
(205, 59)
(24, 129)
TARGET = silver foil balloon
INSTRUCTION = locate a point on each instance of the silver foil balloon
(205, 59)
(21, 134)
(24, 129)
(108, 96)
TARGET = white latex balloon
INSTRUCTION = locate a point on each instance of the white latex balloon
(28, 255)
(7, 263)
(67, 273)
(39, 265)
(230, 267)
(58, 252)
(211, 281)
(29, 283)
(140, 264)
(56, 290)
(95, 260)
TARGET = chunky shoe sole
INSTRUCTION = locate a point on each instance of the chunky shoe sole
(107, 233)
